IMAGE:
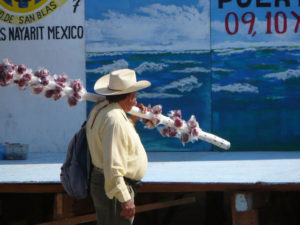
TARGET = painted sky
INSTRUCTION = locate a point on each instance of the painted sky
(126, 25)
(147, 25)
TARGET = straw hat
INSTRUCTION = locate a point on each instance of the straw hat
(119, 82)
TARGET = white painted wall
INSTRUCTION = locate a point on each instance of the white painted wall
(44, 124)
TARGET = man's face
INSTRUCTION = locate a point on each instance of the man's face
(130, 101)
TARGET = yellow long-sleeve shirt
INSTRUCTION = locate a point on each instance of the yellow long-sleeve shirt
(116, 148)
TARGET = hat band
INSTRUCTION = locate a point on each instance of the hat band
(113, 89)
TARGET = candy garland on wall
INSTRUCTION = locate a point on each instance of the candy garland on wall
(58, 86)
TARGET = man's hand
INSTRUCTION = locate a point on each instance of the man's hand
(143, 109)
(128, 209)
(150, 124)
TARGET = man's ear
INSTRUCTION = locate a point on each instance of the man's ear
(129, 96)
(127, 99)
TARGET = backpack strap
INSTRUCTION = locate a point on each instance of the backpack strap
(97, 114)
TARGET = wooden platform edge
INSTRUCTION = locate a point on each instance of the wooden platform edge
(158, 187)
(31, 188)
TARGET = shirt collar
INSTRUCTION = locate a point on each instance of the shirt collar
(117, 106)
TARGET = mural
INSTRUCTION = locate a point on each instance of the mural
(167, 43)
(256, 73)
(234, 64)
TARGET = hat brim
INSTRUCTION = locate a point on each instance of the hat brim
(101, 86)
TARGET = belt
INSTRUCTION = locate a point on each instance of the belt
(133, 183)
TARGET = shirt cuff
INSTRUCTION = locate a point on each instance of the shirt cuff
(120, 192)
(123, 195)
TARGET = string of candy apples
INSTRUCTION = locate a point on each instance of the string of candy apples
(58, 86)
(41, 82)
(175, 126)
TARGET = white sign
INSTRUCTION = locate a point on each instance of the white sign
(41, 34)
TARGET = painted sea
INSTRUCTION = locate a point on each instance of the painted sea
(256, 97)
(249, 96)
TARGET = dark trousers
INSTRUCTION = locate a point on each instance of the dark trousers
(108, 210)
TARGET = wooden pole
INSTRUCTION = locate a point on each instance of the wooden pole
(142, 208)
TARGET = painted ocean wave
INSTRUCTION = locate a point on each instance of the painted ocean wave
(236, 88)
(147, 52)
(287, 48)
(117, 64)
(157, 95)
(150, 67)
(192, 70)
(295, 54)
(229, 52)
(178, 52)
(216, 69)
(286, 75)
(90, 55)
(186, 84)
(182, 61)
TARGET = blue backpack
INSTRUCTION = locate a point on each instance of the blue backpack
(76, 170)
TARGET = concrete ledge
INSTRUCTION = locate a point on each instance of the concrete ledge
(171, 172)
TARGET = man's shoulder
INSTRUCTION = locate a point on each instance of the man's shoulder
(115, 115)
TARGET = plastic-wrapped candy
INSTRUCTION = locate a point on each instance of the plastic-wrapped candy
(23, 82)
(72, 101)
(6, 73)
(5, 78)
(42, 73)
(157, 109)
(184, 137)
(172, 132)
(76, 86)
(60, 84)
(49, 93)
(155, 120)
(195, 132)
(163, 130)
(175, 113)
(38, 89)
(44, 81)
(62, 78)
(57, 96)
(21, 69)
(77, 95)
(192, 123)
(178, 122)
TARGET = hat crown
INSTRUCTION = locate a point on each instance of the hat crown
(119, 82)
(122, 79)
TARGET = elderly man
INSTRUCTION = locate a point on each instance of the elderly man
(118, 155)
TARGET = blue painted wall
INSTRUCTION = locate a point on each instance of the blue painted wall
(256, 74)
(233, 65)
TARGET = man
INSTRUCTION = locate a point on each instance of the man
(117, 153)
